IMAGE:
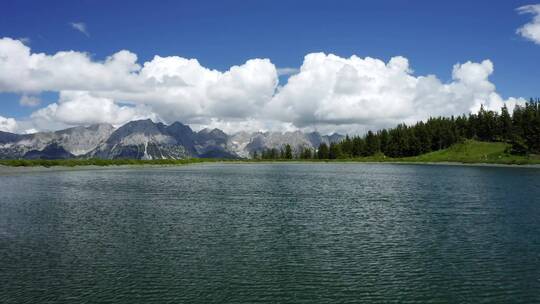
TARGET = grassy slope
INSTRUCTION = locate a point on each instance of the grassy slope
(467, 152)
(476, 152)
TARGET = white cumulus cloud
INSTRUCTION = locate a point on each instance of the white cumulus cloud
(82, 108)
(287, 71)
(175, 88)
(327, 93)
(359, 92)
(531, 30)
(8, 124)
(23, 71)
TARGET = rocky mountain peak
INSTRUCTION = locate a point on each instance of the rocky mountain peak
(150, 140)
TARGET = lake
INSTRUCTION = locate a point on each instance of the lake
(271, 233)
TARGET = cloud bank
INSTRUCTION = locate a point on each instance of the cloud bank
(8, 124)
(531, 30)
(327, 93)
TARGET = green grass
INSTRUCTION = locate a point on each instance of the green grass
(472, 151)
(468, 152)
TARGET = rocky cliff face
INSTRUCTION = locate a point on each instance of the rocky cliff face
(245, 144)
(76, 141)
(52, 151)
(213, 144)
(144, 139)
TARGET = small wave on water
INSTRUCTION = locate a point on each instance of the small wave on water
(271, 233)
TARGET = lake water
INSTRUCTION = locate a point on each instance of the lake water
(271, 233)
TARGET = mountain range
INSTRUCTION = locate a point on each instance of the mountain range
(145, 139)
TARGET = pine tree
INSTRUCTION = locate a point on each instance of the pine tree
(307, 154)
(335, 151)
(322, 152)
(288, 152)
(372, 144)
(505, 124)
(347, 147)
(384, 139)
(274, 153)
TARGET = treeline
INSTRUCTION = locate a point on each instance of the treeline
(521, 129)
(286, 153)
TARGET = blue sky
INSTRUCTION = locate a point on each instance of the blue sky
(433, 35)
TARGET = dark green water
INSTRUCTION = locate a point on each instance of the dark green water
(272, 233)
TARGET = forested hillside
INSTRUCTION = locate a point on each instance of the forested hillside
(520, 129)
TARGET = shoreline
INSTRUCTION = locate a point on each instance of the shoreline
(60, 168)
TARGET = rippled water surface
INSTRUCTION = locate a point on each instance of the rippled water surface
(271, 233)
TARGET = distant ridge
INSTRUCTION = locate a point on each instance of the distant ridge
(145, 139)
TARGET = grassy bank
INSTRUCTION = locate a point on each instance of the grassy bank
(477, 152)
(468, 152)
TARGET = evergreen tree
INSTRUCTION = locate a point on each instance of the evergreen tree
(372, 144)
(288, 152)
(347, 147)
(274, 153)
(505, 124)
(306, 153)
(322, 152)
(384, 139)
(358, 147)
(334, 151)
(423, 143)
